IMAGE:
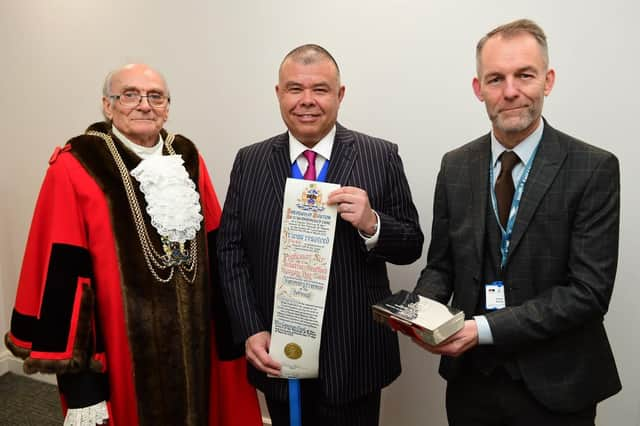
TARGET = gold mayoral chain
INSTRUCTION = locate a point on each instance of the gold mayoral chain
(175, 253)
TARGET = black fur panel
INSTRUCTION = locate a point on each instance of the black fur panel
(168, 324)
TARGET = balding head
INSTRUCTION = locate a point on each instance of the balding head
(143, 68)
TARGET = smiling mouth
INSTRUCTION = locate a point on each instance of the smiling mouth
(307, 117)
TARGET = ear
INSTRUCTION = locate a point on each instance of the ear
(278, 91)
(477, 89)
(341, 93)
(549, 81)
(165, 114)
(107, 108)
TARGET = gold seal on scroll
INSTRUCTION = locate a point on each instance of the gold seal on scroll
(293, 351)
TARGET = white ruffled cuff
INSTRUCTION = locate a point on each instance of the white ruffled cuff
(87, 416)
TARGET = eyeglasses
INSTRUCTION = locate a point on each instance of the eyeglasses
(133, 99)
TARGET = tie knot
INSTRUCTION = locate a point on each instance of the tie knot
(509, 159)
(310, 156)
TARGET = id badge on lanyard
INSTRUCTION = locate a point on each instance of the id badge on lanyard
(494, 291)
(494, 296)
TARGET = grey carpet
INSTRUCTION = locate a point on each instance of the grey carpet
(24, 401)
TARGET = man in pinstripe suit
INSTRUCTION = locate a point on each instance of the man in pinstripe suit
(537, 275)
(377, 223)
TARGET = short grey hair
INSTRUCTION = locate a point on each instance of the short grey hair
(106, 87)
(310, 54)
(513, 29)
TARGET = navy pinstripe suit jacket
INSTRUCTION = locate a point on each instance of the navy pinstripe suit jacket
(357, 355)
(560, 270)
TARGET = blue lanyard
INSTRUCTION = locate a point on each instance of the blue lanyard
(515, 206)
(296, 173)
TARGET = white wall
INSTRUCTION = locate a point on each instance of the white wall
(407, 66)
(4, 324)
(6, 291)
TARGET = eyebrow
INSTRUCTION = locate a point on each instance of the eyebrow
(289, 84)
(137, 89)
(527, 68)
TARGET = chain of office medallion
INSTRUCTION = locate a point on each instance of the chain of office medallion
(152, 258)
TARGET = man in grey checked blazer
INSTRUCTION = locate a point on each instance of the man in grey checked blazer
(542, 356)
(377, 223)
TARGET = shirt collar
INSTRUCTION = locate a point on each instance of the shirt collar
(139, 150)
(524, 149)
(323, 147)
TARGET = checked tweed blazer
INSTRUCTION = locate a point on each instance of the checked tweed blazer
(560, 270)
(357, 355)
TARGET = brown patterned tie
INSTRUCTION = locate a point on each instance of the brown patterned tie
(504, 185)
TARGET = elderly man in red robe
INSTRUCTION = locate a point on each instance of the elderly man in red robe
(118, 294)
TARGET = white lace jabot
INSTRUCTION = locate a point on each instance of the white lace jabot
(172, 201)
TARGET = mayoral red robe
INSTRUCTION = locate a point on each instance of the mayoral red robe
(89, 309)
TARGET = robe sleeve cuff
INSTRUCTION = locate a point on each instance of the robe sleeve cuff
(84, 389)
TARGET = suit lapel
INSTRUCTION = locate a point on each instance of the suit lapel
(278, 164)
(479, 176)
(343, 156)
(546, 165)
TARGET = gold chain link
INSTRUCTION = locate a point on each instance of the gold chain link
(153, 259)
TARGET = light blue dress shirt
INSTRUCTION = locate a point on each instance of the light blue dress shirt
(524, 150)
